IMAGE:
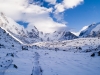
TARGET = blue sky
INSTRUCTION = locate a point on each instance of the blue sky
(52, 15)
(84, 14)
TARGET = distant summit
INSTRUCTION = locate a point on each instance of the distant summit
(92, 30)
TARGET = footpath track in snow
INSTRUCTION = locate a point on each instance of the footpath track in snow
(37, 68)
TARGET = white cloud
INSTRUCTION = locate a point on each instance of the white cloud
(59, 8)
(43, 22)
(51, 1)
(13, 8)
(37, 9)
(71, 3)
(21, 10)
(67, 4)
(60, 17)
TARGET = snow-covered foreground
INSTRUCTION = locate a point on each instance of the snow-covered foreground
(48, 62)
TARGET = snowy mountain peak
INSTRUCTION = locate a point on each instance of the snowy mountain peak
(92, 30)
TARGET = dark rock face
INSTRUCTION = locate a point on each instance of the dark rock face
(68, 36)
(93, 54)
(99, 53)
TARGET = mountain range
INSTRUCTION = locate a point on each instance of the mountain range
(33, 35)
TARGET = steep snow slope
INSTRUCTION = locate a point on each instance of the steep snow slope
(18, 31)
(9, 24)
(92, 30)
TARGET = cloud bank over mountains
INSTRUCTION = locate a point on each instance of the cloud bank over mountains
(34, 13)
